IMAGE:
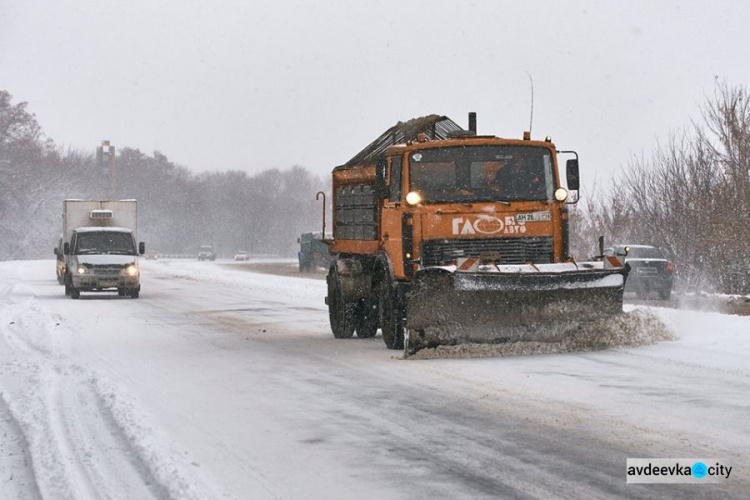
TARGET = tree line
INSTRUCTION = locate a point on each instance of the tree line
(690, 197)
(177, 210)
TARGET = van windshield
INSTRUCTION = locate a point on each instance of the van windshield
(108, 242)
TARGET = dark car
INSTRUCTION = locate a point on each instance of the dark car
(206, 252)
(649, 270)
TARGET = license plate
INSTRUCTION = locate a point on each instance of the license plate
(534, 216)
(646, 270)
(108, 283)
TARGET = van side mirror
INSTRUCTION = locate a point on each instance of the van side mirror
(141, 248)
(66, 248)
(55, 250)
(381, 189)
(571, 170)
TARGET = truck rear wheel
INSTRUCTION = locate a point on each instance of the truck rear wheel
(340, 312)
(367, 318)
(391, 312)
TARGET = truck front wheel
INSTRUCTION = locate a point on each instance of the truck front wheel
(391, 312)
(340, 312)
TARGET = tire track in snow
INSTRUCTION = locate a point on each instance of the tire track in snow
(17, 481)
(85, 440)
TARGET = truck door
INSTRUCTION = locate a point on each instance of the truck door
(390, 220)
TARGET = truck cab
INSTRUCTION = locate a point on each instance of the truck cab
(102, 258)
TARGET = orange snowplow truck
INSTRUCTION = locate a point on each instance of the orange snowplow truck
(444, 237)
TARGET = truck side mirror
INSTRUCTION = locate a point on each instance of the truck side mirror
(141, 248)
(571, 169)
(66, 248)
(381, 189)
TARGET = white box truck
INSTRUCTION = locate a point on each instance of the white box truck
(99, 247)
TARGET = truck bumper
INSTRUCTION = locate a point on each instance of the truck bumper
(92, 282)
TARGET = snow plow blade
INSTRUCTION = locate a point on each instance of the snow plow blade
(451, 308)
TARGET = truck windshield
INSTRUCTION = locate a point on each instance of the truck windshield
(109, 242)
(482, 173)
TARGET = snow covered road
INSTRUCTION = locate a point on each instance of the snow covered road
(220, 383)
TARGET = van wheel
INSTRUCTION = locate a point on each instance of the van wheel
(135, 293)
(75, 293)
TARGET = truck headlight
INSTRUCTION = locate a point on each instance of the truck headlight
(83, 270)
(130, 270)
(561, 194)
(413, 198)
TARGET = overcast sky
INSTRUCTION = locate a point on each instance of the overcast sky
(251, 85)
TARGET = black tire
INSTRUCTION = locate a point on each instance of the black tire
(341, 313)
(367, 317)
(665, 294)
(135, 293)
(68, 285)
(75, 293)
(391, 312)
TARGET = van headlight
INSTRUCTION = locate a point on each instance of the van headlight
(83, 270)
(130, 270)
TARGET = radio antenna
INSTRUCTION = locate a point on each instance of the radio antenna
(531, 117)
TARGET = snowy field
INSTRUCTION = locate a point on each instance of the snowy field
(223, 383)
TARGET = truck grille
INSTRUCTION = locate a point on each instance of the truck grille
(500, 250)
(106, 271)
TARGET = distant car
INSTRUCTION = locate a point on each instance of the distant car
(206, 252)
(241, 256)
(649, 270)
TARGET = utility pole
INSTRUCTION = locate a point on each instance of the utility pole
(106, 162)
